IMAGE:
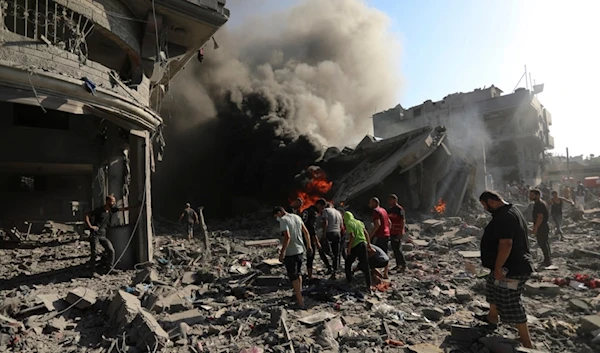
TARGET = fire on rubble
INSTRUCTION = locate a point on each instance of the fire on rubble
(317, 187)
(440, 208)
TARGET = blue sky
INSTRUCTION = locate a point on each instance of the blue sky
(453, 46)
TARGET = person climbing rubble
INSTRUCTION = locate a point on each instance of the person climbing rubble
(295, 236)
(397, 231)
(505, 251)
(380, 234)
(102, 217)
(556, 211)
(332, 231)
(541, 229)
(191, 218)
(358, 247)
(310, 217)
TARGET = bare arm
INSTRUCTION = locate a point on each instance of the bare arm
(375, 228)
(568, 200)
(181, 217)
(504, 248)
(286, 242)
(350, 239)
(306, 238)
(196, 217)
(87, 221)
(325, 223)
(368, 238)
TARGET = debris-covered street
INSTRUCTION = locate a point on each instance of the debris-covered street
(238, 299)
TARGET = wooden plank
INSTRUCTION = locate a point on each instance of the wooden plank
(262, 242)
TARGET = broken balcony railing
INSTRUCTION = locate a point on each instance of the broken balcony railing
(49, 22)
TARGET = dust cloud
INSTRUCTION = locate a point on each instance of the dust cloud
(264, 105)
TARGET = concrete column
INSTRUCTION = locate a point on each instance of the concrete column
(115, 150)
(141, 193)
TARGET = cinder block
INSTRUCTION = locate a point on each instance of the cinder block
(123, 309)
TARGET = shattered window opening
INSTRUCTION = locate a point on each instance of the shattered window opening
(49, 22)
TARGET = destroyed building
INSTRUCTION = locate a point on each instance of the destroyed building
(81, 85)
(427, 171)
(506, 134)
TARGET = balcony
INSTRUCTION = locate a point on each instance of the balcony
(549, 143)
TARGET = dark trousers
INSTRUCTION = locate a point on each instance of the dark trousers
(543, 241)
(558, 220)
(310, 256)
(106, 244)
(397, 248)
(335, 241)
(358, 252)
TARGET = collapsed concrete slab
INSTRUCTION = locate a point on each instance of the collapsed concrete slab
(420, 166)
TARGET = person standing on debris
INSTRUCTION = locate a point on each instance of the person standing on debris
(358, 247)
(380, 235)
(191, 218)
(556, 211)
(541, 229)
(505, 251)
(580, 195)
(295, 207)
(332, 231)
(397, 231)
(310, 217)
(102, 217)
(292, 229)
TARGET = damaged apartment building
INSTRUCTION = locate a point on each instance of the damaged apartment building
(506, 134)
(81, 85)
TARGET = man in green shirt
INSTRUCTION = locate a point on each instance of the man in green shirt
(358, 246)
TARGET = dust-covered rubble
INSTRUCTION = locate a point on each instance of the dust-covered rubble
(238, 300)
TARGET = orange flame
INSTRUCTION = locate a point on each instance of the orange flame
(317, 188)
(440, 208)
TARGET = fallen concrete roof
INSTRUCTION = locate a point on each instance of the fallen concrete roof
(374, 161)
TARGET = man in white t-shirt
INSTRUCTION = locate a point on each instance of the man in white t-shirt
(292, 229)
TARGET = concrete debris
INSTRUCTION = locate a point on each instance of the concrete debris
(82, 298)
(178, 304)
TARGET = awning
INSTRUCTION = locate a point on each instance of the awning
(19, 96)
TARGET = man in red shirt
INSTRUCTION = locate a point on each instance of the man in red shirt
(396, 214)
(380, 235)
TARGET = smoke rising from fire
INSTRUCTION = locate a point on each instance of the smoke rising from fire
(262, 107)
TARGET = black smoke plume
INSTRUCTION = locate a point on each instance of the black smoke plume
(265, 104)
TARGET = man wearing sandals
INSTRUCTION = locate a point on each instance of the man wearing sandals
(505, 251)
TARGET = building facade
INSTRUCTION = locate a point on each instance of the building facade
(81, 85)
(506, 134)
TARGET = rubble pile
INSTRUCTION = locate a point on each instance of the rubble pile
(238, 299)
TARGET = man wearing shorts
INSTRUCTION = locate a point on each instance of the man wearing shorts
(505, 251)
(292, 229)
(380, 235)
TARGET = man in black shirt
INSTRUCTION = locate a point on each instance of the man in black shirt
(505, 251)
(102, 217)
(295, 207)
(310, 217)
(541, 229)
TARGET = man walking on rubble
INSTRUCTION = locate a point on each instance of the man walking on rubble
(380, 235)
(397, 231)
(293, 231)
(310, 217)
(556, 211)
(332, 231)
(541, 229)
(102, 218)
(580, 195)
(505, 251)
(191, 218)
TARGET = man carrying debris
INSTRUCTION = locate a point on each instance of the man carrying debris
(292, 229)
(541, 229)
(309, 217)
(380, 235)
(295, 207)
(378, 259)
(358, 247)
(397, 231)
(332, 231)
(556, 211)
(191, 218)
(102, 217)
(505, 251)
